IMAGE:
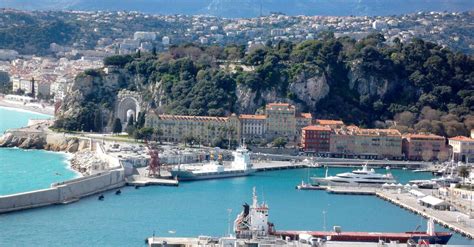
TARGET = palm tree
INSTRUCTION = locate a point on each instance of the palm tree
(464, 173)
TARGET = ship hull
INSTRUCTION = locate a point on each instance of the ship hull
(190, 176)
(438, 238)
(351, 183)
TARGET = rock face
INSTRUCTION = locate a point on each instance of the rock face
(54, 142)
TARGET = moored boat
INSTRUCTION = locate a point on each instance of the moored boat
(240, 166)
(360, 177)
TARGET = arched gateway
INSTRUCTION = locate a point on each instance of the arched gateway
(128, 104)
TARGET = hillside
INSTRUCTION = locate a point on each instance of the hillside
(424, 87)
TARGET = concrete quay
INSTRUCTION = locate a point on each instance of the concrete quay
(277, 165)
(453, 220)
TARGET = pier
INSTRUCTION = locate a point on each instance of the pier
(453, 220)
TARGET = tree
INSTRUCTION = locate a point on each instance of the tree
(443, 156)
(427, 154)
(98, 121)
(279, 142)
(157, 133)
(130, 121)
(145, 133)
(463, 172)
(117, 127)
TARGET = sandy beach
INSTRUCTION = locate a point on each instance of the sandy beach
(30, 107)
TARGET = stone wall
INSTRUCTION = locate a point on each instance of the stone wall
(64, 192)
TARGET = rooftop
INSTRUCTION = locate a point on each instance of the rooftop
(329, 122)
(461, 138)
(423, 136)
(247, 116)
(317, 127)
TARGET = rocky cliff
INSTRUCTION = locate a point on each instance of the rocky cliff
(51, 142)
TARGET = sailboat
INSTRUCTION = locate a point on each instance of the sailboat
(307, 186)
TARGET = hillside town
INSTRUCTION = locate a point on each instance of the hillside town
(54, 73)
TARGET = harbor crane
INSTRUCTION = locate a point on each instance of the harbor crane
(154, 165)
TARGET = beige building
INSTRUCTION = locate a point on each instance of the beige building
(333, 124)
(463, 148)
(281, 121)
(424, 147)
(203, 129)
(252, 126)
(354, 142)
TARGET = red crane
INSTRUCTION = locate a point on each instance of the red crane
(154, 165)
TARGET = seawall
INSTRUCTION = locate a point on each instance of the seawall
(64, 192)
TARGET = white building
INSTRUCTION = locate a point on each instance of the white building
(463, 148)
(165, 40)
(144, 36)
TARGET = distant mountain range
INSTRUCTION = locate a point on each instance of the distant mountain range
(249, 8)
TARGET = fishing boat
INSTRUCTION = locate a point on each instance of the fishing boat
(307, 186)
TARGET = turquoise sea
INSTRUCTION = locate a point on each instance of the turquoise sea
(25, 170)
(201, 208)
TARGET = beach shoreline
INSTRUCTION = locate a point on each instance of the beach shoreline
(47, 111)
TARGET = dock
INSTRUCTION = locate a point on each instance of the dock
(146, 181)
(277, 165)
(452, 220)
(351, 190)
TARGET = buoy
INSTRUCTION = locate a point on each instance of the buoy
(137, 187)
(118, 192)
(101, 197)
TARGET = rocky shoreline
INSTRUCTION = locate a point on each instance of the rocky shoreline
(38, 136)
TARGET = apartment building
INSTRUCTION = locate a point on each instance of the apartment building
(252, 126)
(354, 142)
(463, 148)
(315, 139)
(204, 129)
(424, 147)
(280, 121)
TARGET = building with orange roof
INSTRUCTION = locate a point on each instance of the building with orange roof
(315, 139)
(204, 129)
(425, 147)
(252, 126)
(354, 142)
(279, 120)
(463, 148)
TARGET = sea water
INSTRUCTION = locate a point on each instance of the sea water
(26, 170)
(202, 208)
(199, 208)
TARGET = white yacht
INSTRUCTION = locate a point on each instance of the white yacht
(240, 166)
(360, 177)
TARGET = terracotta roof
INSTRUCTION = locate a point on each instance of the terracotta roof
(306, 115)
(192, 118)
(317, 127)
(462, 138)
(245, 116)
(423, 136)
(329, 122)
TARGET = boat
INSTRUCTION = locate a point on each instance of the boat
(240, 166)
(308, 186)
(360, 177)
(252, 223)
(310, 163)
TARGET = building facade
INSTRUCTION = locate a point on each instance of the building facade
(463, 148)
(425, 147)
(333, 124)
(354, 142)
(252, 126)
(280, 121)
(203, 129)
(315, 139)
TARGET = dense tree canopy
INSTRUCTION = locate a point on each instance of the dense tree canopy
(422, 86)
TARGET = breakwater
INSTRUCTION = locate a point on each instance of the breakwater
(64, 192)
